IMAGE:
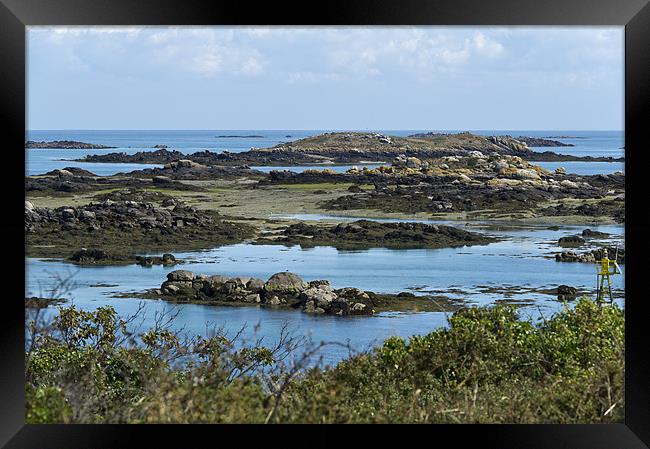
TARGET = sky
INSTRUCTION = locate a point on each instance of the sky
(354, 78)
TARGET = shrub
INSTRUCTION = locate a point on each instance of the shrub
(487, 366)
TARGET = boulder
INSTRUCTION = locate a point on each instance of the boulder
(571, 240)
(311, 307)
(29, 206)
(320, 297)
(560, 171)
(63, 173)
(340, 307)
(240, 281)
(89, 255)
(67, 213)
(589, 233)
(501, 165)
(413, 162)
(255, 285)
(286, 282)
(566, 293)
(253, 297)
(161, 180)
(168, 259)
(523, 173)
(87, 215)
(353, 294)
(569, 184)
(359, 308)
(171, 289)
(182, 163)
(319, 283)
(180, 275)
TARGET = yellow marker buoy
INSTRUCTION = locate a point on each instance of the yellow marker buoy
(603, 274)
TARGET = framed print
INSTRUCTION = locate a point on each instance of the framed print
(386, 213)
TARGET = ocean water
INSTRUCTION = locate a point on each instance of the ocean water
(585, 168)
(516, 266)
(594, 143)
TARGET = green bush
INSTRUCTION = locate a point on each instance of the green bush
(487, 366)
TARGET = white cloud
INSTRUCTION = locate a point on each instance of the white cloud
(486, 46)
(252, 66)
(208, 64)
(332, 54)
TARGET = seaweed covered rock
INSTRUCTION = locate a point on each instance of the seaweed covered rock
(566, 293)
(571, 240)
(127, 226)
(368, 234)
(592, 256)
(89, 256)
(588, 233)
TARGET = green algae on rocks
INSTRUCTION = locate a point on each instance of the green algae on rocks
(125, 228)
(363, 234)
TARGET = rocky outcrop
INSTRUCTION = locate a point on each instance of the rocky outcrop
(35, 302)
(588, 233)
(283, 289)
(364, 234)
(65, 145)
(571, 240)
(614, 208)
(94, 256)
(75, 180)
(509, 143)
(539, 142)
(566, 293)
(111, 214)
(147, 261)
(494, 183)
(126, 227)
(591, 256)
(186, 169)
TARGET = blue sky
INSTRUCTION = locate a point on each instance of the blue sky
(483, 78)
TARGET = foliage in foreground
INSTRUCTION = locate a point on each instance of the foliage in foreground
(486, 367)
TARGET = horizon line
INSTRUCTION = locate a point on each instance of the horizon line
(317, 129)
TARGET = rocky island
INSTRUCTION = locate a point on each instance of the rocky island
(540, 142)
(363, 234)
(288, 290)
(65, 145)
(350, 148)
(118, 230)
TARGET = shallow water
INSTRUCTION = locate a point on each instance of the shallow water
(513, 266)
(585, 168)
(41, 161)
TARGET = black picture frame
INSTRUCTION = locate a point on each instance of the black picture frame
(15, 15)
